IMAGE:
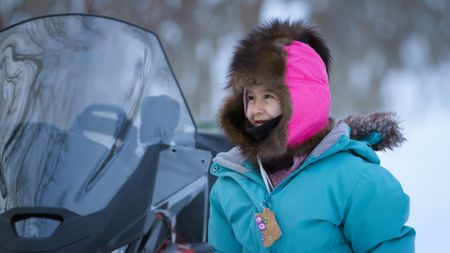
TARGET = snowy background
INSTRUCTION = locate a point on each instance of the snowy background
(388, 56)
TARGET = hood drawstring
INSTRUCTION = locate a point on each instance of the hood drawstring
(265, 177)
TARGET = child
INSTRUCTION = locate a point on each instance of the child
(296, 180)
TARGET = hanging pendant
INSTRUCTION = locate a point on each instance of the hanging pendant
(268, 226)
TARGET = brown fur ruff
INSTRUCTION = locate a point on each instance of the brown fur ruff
(260, 59)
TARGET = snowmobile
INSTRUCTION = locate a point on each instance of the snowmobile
(98, 148)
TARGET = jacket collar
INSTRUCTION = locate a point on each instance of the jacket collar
(235, 161)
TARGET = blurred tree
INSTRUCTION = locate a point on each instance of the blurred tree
(192, 33)
(370, 38)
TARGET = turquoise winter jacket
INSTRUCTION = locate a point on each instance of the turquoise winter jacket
(339, 200)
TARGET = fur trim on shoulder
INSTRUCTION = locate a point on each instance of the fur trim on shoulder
(385, 123)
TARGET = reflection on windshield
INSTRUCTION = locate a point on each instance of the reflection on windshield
(80, 99)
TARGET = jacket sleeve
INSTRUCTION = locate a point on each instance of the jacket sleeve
(376, 214)
(220, 234)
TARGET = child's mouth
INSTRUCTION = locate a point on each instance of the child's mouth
(259, 122)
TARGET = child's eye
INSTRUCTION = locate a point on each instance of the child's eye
(250, 97)
(268, 96)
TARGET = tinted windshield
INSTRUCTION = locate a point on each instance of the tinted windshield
(80, 97)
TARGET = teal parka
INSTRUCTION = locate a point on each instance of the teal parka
(339, 200)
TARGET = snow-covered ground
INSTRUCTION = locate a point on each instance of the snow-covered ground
(422, 164)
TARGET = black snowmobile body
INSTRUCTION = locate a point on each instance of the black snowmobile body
(97, 144)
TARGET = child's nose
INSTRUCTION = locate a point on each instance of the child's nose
(258, 108)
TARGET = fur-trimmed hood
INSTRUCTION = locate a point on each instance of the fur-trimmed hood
(264, 58)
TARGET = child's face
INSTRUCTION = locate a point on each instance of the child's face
(263, 105)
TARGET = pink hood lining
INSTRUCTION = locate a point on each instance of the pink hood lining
(307, 81)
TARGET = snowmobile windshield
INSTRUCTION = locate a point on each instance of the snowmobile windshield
(80, 99)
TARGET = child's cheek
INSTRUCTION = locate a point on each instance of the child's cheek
(248, 114)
